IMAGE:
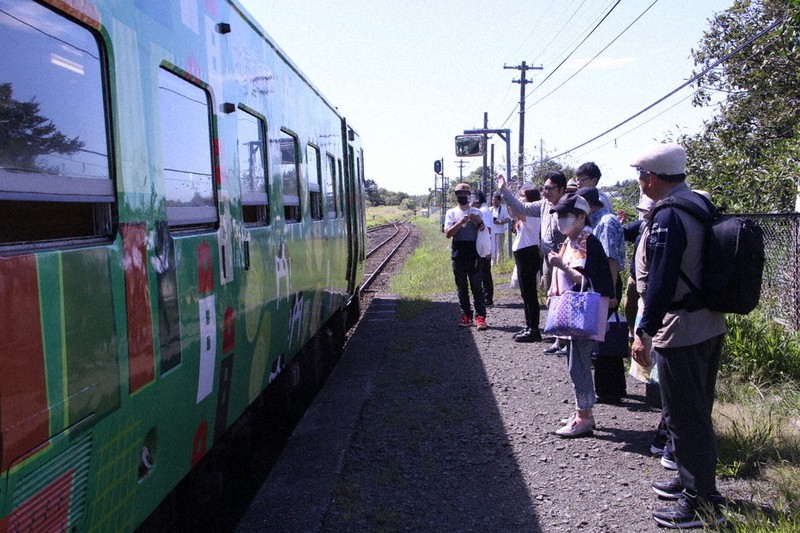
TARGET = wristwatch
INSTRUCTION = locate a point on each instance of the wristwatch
(642, 334)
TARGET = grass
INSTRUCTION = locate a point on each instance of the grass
(385, 213)
(757, 414)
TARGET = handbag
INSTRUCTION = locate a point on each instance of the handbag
(483, 244)
(616, 341)
(575, 314)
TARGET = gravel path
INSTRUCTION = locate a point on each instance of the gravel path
(457, 436)
(426, 426)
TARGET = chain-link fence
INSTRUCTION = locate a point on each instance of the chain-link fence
(780, 288)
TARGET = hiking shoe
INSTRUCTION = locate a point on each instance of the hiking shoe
(575, 428)
(529, 336)
(466, 321)
(670, 490)
(668, 460)
(690, 511)
(480, 322)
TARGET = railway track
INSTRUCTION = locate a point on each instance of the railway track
(385, 243)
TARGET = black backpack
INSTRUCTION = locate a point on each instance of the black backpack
(733, 259)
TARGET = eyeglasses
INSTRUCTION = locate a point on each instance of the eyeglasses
(584, 178)
(642, 171)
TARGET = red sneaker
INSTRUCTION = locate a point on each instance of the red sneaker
(466, 321)
(480, 322)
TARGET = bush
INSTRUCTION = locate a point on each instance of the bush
(760, 350)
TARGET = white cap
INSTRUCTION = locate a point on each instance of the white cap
(665, 159)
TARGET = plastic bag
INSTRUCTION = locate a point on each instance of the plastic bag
(484, 243)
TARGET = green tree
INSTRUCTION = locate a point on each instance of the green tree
(748, 156)
(371, 191)
(26, 135)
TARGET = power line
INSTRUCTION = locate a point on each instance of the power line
(688, 82)
(593, 58)
(578, 45)
(570, 53)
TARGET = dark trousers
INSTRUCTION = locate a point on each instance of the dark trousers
(609, 377)
(468, 274)
(687, 377)
(487, 283)
(528, 262)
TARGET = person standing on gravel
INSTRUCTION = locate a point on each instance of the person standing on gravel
(526, 254)
(487, 283)
(500, 220)
(555, 186)
(687, 344)
(609, 372)
(580, 262)
(462, 224)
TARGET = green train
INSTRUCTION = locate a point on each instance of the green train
(181, 222)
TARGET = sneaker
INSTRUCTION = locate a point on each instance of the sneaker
(668, 460)
(480, 322)
(553, 348)
(466, 321)
(657, 450)
(575, 428)
(562, 352)
(522, 333)
(529, 336)
(670, 490)
(689, 511)
(565, 421)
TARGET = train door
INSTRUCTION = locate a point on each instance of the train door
(354, 195)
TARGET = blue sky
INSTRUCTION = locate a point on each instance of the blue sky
(412, 75)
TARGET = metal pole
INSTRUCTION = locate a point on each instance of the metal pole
(444, 193)
(486, 181)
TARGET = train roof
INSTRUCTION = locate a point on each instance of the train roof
(250, 19)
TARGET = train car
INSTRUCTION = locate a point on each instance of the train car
(181, 222)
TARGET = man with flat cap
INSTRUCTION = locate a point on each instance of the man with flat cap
(686, 344)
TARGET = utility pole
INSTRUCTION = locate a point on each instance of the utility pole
(523, 68)
(485, 180)
(461, 164)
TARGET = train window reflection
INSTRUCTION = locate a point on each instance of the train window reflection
(251, 132)
(186, 151)
(330, 187)
(314, 182)
(290, 177)
(54, 142)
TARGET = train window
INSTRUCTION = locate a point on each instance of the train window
(290, 177)
(314, 181)
(330, 187)
(186, 147)
(252, 167)
(339, 174)
(54, 139)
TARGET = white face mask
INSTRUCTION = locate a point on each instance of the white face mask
(565, 224)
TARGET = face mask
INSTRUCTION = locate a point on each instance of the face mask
(462, 200)
(565, 224)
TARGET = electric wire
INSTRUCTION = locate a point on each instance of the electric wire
(620, 34)
(569, 55)
(685, 84)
